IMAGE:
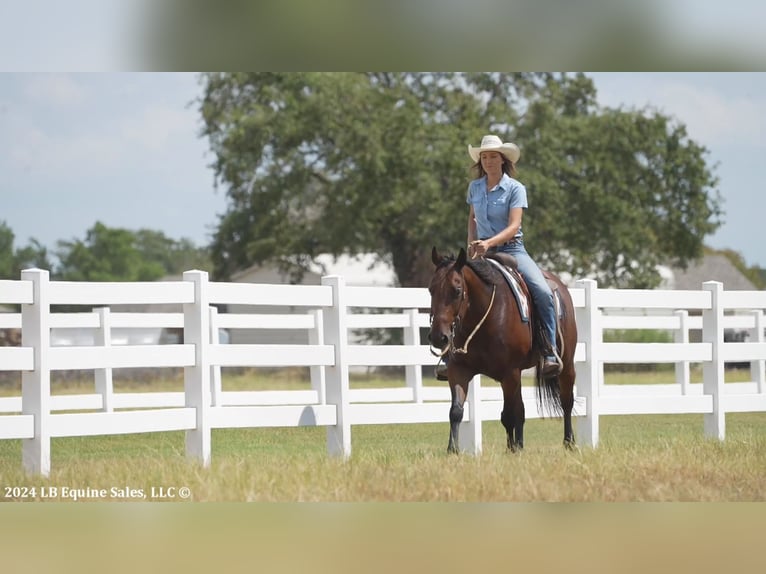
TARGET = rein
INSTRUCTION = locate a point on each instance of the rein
(464, 349)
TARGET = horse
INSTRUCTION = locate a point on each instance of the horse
(476, 321)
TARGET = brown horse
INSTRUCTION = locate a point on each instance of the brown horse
(476, 322)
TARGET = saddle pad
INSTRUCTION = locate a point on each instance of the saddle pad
(513, 283)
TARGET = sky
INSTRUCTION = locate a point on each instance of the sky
(726, 113)
(124, 149)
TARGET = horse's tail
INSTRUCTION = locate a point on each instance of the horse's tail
(548, 394)
(548, 389)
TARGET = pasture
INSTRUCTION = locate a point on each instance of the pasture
(639, 458)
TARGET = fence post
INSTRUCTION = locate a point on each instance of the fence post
(215, 370)
(757, 366)
(590, 374)
(413, 374)
(36, 384)
(197, 378)
(683, 376)
(469, 439)
(336, 334)
(317, 372)
(104, 383)
(713, 371)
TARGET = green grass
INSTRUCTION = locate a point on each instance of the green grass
(640, 458)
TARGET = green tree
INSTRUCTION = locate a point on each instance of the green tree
(106, 254)
(175, 256)
(13, 260)
(6, 251)
(113, 254)
(360, 162)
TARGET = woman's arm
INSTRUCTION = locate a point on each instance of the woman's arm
(471, 232)
(514, 223)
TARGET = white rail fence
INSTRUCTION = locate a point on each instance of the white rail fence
(328, 312)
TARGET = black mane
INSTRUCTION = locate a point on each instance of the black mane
(484, 270)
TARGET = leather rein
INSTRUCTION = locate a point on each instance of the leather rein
(451, 349)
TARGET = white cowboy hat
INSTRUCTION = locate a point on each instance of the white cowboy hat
(493, 143)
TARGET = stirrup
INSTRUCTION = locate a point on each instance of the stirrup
(441, 372)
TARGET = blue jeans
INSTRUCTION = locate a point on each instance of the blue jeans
(538, 288)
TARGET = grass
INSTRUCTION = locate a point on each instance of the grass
(640, 458)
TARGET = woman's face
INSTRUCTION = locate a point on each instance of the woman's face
(491, 161)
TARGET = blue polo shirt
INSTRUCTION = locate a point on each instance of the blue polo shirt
(492, 208)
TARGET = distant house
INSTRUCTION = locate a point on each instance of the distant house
(713, 267)
(360, 270)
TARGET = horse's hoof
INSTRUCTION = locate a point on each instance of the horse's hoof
(570, 445)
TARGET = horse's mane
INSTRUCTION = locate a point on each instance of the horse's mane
(484, 271)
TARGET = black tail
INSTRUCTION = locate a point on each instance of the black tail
(548, 389)
(548, 394)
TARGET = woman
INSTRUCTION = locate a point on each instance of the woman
(497, 202)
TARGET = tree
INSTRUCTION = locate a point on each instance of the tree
(6, 251)
(377, 162)
(14, 260)
(113, 254)
(175, 256)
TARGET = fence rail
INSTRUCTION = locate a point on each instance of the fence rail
(328, 313)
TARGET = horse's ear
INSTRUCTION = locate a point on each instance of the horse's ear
(435, 257)
(461, 259)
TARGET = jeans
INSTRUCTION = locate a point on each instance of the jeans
(538, 288)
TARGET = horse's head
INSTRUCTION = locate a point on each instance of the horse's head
(447, 290)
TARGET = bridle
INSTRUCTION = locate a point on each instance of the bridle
(451, 349)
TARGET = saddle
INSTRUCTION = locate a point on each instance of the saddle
(508, 267)
(505, 259)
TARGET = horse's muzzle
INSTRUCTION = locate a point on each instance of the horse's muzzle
(440, 340)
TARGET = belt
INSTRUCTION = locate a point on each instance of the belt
(514, 241)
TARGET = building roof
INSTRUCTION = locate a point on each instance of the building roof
(712, 267)
(367, 270)
(364, 270)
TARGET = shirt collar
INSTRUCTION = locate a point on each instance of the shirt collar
(504, 183)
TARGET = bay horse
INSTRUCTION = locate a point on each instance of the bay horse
(477, 323)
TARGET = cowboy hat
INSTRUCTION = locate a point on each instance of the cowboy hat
(493, 143)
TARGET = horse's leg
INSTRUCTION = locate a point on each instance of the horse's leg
(459, 392)
(513, 416)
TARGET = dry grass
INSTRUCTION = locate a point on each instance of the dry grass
(641, 458)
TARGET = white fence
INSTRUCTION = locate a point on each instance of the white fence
(328, 312)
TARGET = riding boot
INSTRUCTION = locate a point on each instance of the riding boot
(441, 372)
(551, 366)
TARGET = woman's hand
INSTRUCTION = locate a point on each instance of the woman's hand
(478, 248)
